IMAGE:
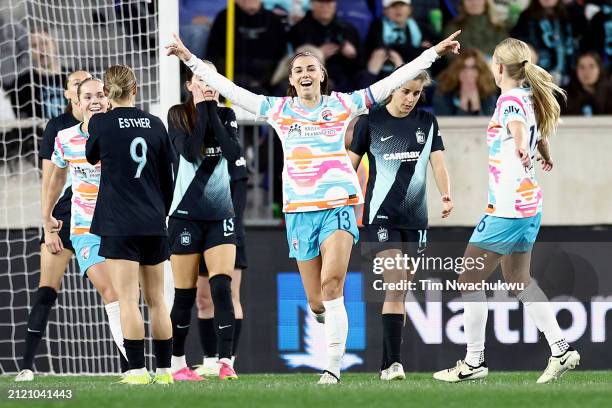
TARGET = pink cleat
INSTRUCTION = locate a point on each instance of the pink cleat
(227, 371)
(186, 374)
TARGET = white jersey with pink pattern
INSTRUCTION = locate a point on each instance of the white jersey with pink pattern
(514, 191)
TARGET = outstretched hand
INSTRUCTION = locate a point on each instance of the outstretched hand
(176, 47)
(449, 45)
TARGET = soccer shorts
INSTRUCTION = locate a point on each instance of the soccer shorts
(506, 235)
(64, 233)
(144, 249)
(195, 237)
(306, 231)
(87, 251)
(378, 238)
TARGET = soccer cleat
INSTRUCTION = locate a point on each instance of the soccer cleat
(383, 374)
(209, 367)
(462, 372)
(24, 375)
(557, 366)
(136, 379)
(186, 374)
(328, 378)
(226, 371)
(394, 372)
(163, 379)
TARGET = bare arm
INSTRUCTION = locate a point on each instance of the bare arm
(355, 159)
(545, 157)
(51, 194)
(436, 159)
(519, 132)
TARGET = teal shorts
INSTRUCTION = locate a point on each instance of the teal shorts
(306, 231)
(506, 235)
(86, 247)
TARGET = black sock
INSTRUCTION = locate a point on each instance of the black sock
(162, 349)
(392, 332)
(134, 349)
(37, 323)
(237, 330)
(123, 363)
(384, 361)
(208, 337)
(181, 318)
(221, 293)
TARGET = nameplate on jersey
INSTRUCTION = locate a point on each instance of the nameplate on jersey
(126, 123)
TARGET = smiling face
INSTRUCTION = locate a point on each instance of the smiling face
(405, 98)
(306, 76)
(92, 99)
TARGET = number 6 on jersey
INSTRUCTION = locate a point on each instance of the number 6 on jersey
(142, 159)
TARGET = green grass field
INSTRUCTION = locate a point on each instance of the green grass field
(584, 389)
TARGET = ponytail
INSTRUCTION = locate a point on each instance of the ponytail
(545, 103)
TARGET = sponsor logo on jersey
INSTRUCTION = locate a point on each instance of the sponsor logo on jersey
(404, 156)
(185, 237)
(327, 114)
(420, 136)
(240, 162)
(234, 124)
(383, 234)
(85, 252)
(511, 109)
(384, 139)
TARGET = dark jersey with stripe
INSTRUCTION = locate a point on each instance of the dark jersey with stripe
(136, 175)
(61, 122)
(398, 151)
(205, 155)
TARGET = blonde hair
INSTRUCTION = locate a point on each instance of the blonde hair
(516, 58)
(422, 76)
(119, 82)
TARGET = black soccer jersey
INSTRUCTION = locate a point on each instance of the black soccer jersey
(63, 121)
(202, 184)
(398, 152)
(136, 178)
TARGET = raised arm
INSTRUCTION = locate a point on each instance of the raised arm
(383, 88)
(240, 96)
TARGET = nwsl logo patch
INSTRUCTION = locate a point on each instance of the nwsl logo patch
(420, 136)
(383, 234)
(185, 238)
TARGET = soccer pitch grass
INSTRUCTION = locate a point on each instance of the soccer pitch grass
(583, 389)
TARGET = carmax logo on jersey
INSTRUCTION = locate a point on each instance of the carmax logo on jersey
(301, 339)
(404, 156)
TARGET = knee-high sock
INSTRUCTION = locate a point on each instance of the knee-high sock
(208, 337)
(184, 299)
(221, 293)
(134, 348)
(237, 331)
(113, 312)
(475, 313)
(37, 324)
(336, 331)
(538, 308)
(392, 332)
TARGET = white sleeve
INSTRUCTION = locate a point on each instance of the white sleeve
(240, 96)
(385, 87)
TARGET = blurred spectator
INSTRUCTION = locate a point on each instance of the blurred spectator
(466, 87)
(598, 36)
(338, 40)
(138, 20)
(590, 91)
(14, 52)
(290, 11)
(196, 18)
(546, 25)
(259, 45)
(280, 79)
(39, 92)
(428, 12)
(397, 36)
(481, 28)
(357, 13)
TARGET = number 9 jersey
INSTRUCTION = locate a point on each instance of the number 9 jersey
(136, 176)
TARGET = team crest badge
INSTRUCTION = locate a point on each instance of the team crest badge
(185, 238)
(383, 234)
(326, 114)
(420, 136)
(85, 252)
(294, 243)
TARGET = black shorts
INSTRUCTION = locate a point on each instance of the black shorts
(195, 237)
(378, 238)
(239, 192)
(146, 250)
(64, 233)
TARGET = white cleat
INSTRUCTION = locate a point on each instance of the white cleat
(24, 375)
(462, 372)
(328, 378)
(394, 372)
(383, 374)
(209, 367)
(557, 366)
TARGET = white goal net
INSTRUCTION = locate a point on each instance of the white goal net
(40, 42)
